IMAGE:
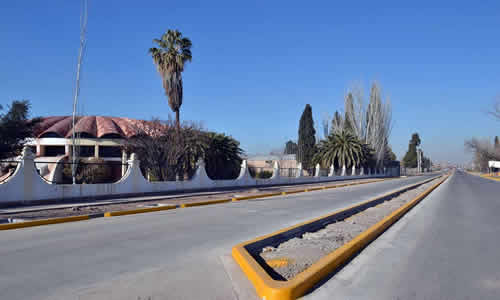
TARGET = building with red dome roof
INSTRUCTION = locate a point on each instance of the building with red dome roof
(99, 137)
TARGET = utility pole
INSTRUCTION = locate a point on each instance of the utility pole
(81, 52)
(419, 160)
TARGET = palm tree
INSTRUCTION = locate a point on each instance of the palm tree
(342, 149)
(173, 52)
(222, 156)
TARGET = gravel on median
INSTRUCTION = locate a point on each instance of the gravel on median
(297, 254)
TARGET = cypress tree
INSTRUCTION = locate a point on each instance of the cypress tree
(410, 158)
(307, 138)
(348, 126)
(291, 148)
(497, 143)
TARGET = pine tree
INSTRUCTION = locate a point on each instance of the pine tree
(307, 138)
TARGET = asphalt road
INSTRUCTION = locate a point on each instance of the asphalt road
(447, 247)
(165, 255)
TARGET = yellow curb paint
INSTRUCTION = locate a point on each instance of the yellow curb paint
(43, 222)
(258, 196)
(270, 289)
(491, 178)
(295, 192)
(184, 205)
(305, 190)
(278, 262)
(316, 189)
(138, 211)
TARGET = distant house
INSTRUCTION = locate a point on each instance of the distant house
(287, 163)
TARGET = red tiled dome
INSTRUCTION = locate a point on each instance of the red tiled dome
(89, 126)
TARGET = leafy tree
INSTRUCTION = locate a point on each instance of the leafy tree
(389, 156)
(410, 158)
(170, 58)
(167, 152)
(483, 152)
(307, 140)
(342, 149)
(15, 128)
(291, 148)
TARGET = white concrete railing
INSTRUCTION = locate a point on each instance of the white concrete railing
(26, 185)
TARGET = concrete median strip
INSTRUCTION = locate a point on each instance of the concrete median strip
(270, 289)
(43, 222)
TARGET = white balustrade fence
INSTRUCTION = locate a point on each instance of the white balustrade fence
(26, 185)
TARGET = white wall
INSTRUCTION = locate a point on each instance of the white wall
(26, 185)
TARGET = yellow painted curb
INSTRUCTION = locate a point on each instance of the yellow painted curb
(278, 262)
(270, 289)
(491, 178)
(257, 196)
(138, 211)
(305, 190)
(43, 222)
(295, 192)
(205, 203)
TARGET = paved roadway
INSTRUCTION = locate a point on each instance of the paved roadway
(165, 255)
(447, 247)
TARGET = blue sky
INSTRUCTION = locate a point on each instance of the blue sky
(257, 63)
